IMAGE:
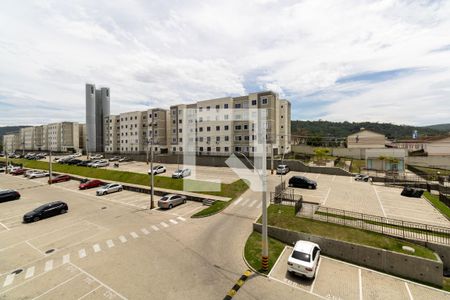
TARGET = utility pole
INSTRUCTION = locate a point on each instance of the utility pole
(50, 166)
(271, 157)
(152, 176)
(263, 176)
(6, 155)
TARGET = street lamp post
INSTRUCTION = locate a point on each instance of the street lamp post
(152, 176)
(50, 166)
(6, 155)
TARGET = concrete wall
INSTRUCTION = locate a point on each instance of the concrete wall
(442, 162)
(340, 152)
(407, 266)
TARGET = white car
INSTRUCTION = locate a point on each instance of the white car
(97, 156)
(29, 172)
(100, 163)
(78, 154)
(157, 170)
(109, 188)
(304, 259)
(39, 174)
(181, 173)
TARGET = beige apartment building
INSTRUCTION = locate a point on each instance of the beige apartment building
(57, 137)
(216, 127)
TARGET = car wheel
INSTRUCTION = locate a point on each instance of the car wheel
(63, 211)
(170, 206)
(310, 187)
(184, 201)
(120, 189)
(35, 219)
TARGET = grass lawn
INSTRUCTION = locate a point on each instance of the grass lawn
(357, 165)
(434, 199)
(253, 249)
(231, 190)
(433, 171)
(284, 217)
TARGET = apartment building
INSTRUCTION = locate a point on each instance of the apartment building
(216, 127)
(97, 108)
(26, 138)
(11, 142)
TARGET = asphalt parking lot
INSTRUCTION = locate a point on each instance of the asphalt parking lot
(343, 192)
(340, 280)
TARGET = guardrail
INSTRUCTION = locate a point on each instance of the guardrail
(387, 226)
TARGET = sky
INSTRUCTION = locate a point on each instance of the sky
(380, 61)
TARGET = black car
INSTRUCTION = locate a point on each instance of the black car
(74, 161)
(302, 182)
(412, 192)
(8, 195)
(84, 163)
(45, 211)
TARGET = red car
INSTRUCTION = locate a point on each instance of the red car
(59, 178)
(18, 172)
(90, 184)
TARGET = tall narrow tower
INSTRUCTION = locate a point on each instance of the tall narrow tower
(97, 108)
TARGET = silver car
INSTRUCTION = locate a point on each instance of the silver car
(39, 174)
(282, 169)
(109, 188)
(181, 173)
(171, 200)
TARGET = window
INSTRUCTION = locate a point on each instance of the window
(135, 117)
(237, 149)
(174, 131)
(181, 149)
(135, 125)
(227, 138)
(282, 126)
(217, 128)
(282, 117)
(156, 115)
(200, 139)
(217, 138)
(245, 127)
(201, 149)
(208, 139)
(180, 121)
(227, 149)
(217, 149)
(208, 128)
(238, 138)
(237, 127)
(208, 108)
(217, 106)
(225, 105)
(180, 130)
(200, 109)
(200, 119)
(246, 138)
(264, 100)
(126, 119)
(174, 149)
(226, 127)
(200, 129)
(253, 102)
(237, 105)
(208, 149)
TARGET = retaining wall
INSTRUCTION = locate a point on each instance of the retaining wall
(441, 162)
(339, 152)
(406, 266)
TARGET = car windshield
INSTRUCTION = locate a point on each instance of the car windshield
(301, 256)
(40, 208)
(164, 198)
(178, 171)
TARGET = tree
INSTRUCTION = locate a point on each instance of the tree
(321, 154)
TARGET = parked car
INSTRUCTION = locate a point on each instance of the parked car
(18, 171)
(157, 170)
(96, 156)
(412, 192)
(123, 159)
(90, 184)
(78, 154)
(2, 169)
(302, 182)
(29, 172)
(109, 188)
(89, 164)
(59, 178)
(45, 211)
(171, 200)
(100, 163)
(282, 169)
(74, 161)
(304, 259)
(8, 195)
(39, 174)
(114, 158)
(362, 177)
(84, 163)
(181, 173)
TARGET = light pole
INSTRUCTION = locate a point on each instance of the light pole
(152, 176)
(49, 161)
(6, 155)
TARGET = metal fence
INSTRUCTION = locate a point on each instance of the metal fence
(287, 197)
(387, 226)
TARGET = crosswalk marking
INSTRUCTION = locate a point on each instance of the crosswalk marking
(110, 243)
(181, 219)
(173, 221)
(134, 235)
(164, 224)
(48, 265)
(253, 203)
(97, 248)
(245, 202)
(9, 279)
(82, 253)
(145, 231)
(66, 259)
(30, 272)
(259, 205)
(237, 201)
(122, 239)
(155, 228)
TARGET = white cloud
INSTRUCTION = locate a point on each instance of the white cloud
(160, 53)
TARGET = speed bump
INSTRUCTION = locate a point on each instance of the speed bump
(238, 285)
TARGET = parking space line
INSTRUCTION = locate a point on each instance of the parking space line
(298, 288)
(123, 239)
(311, 290)
(253, 203)
(99, 281)
(34, 247)
(379, 201)
(110, 243)
(134, 235)
(56, 286)
(181, 219)
(326, 197)
(164, 224)
(3, 225)
(82, 253)
(9, 279)
(192, 210)
(145, 231)
(90, 292)
(155, 228)
(173, 221)
(278, 259)
(334, 177)
(245, 202)
(66, 259)
(409, 292)
(97, 248)
(360, 284)
(30, 272)
(237, 201)
(48, 265)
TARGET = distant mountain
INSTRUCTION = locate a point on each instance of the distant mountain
(440, 127)
(343, 129)
(8, 130)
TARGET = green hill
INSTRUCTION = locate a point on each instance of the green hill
(343, 129)
(440, 127)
